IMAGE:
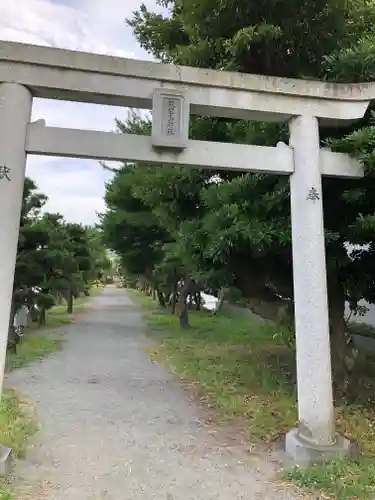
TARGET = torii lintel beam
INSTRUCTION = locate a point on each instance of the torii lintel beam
(89, 144)
(78, 76)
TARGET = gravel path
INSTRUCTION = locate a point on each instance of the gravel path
(115, 426)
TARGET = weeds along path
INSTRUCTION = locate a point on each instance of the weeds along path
(116, 426)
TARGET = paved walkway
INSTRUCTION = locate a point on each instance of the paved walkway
(115, 426)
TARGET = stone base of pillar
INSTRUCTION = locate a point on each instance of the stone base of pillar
(304, 452)
(6, 461)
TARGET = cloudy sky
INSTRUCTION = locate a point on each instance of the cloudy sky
(75, 187)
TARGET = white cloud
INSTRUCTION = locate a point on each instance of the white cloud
(74, 187)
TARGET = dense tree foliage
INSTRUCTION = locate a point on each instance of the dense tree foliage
(225, 229)
(55, 259)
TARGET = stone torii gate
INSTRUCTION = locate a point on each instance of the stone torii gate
(173, 92)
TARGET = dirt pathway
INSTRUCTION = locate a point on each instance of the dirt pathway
(115, 426)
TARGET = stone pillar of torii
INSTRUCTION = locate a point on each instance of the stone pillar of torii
(173, 93)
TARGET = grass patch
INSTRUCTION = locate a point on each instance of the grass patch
(5, 493)
(16, 427)
(142, 300)
(246, 373)
(358, 328)
(33, 347)
(16, 424)
(54, 319)
(61, 310)
(341, 479)
(235, 361)
(58, 315)
(78, 304)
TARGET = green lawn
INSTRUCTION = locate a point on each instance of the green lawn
(5, 493)
(242, 371)
(34, 346)
(17, 425)
(246, 373)
(78, 304)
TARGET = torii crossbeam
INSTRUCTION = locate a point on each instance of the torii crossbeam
(28, 71)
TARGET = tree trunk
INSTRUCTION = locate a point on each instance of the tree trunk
(174, 296)
(198, 301)
(182, 305)
(220, 301)
(42, 316)
(70, 301)
(154, 292)
(338, 336)
(161, 298)
(174, 291)
(141, 285)
(12, 341)
(262, 286)
(34, 315)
